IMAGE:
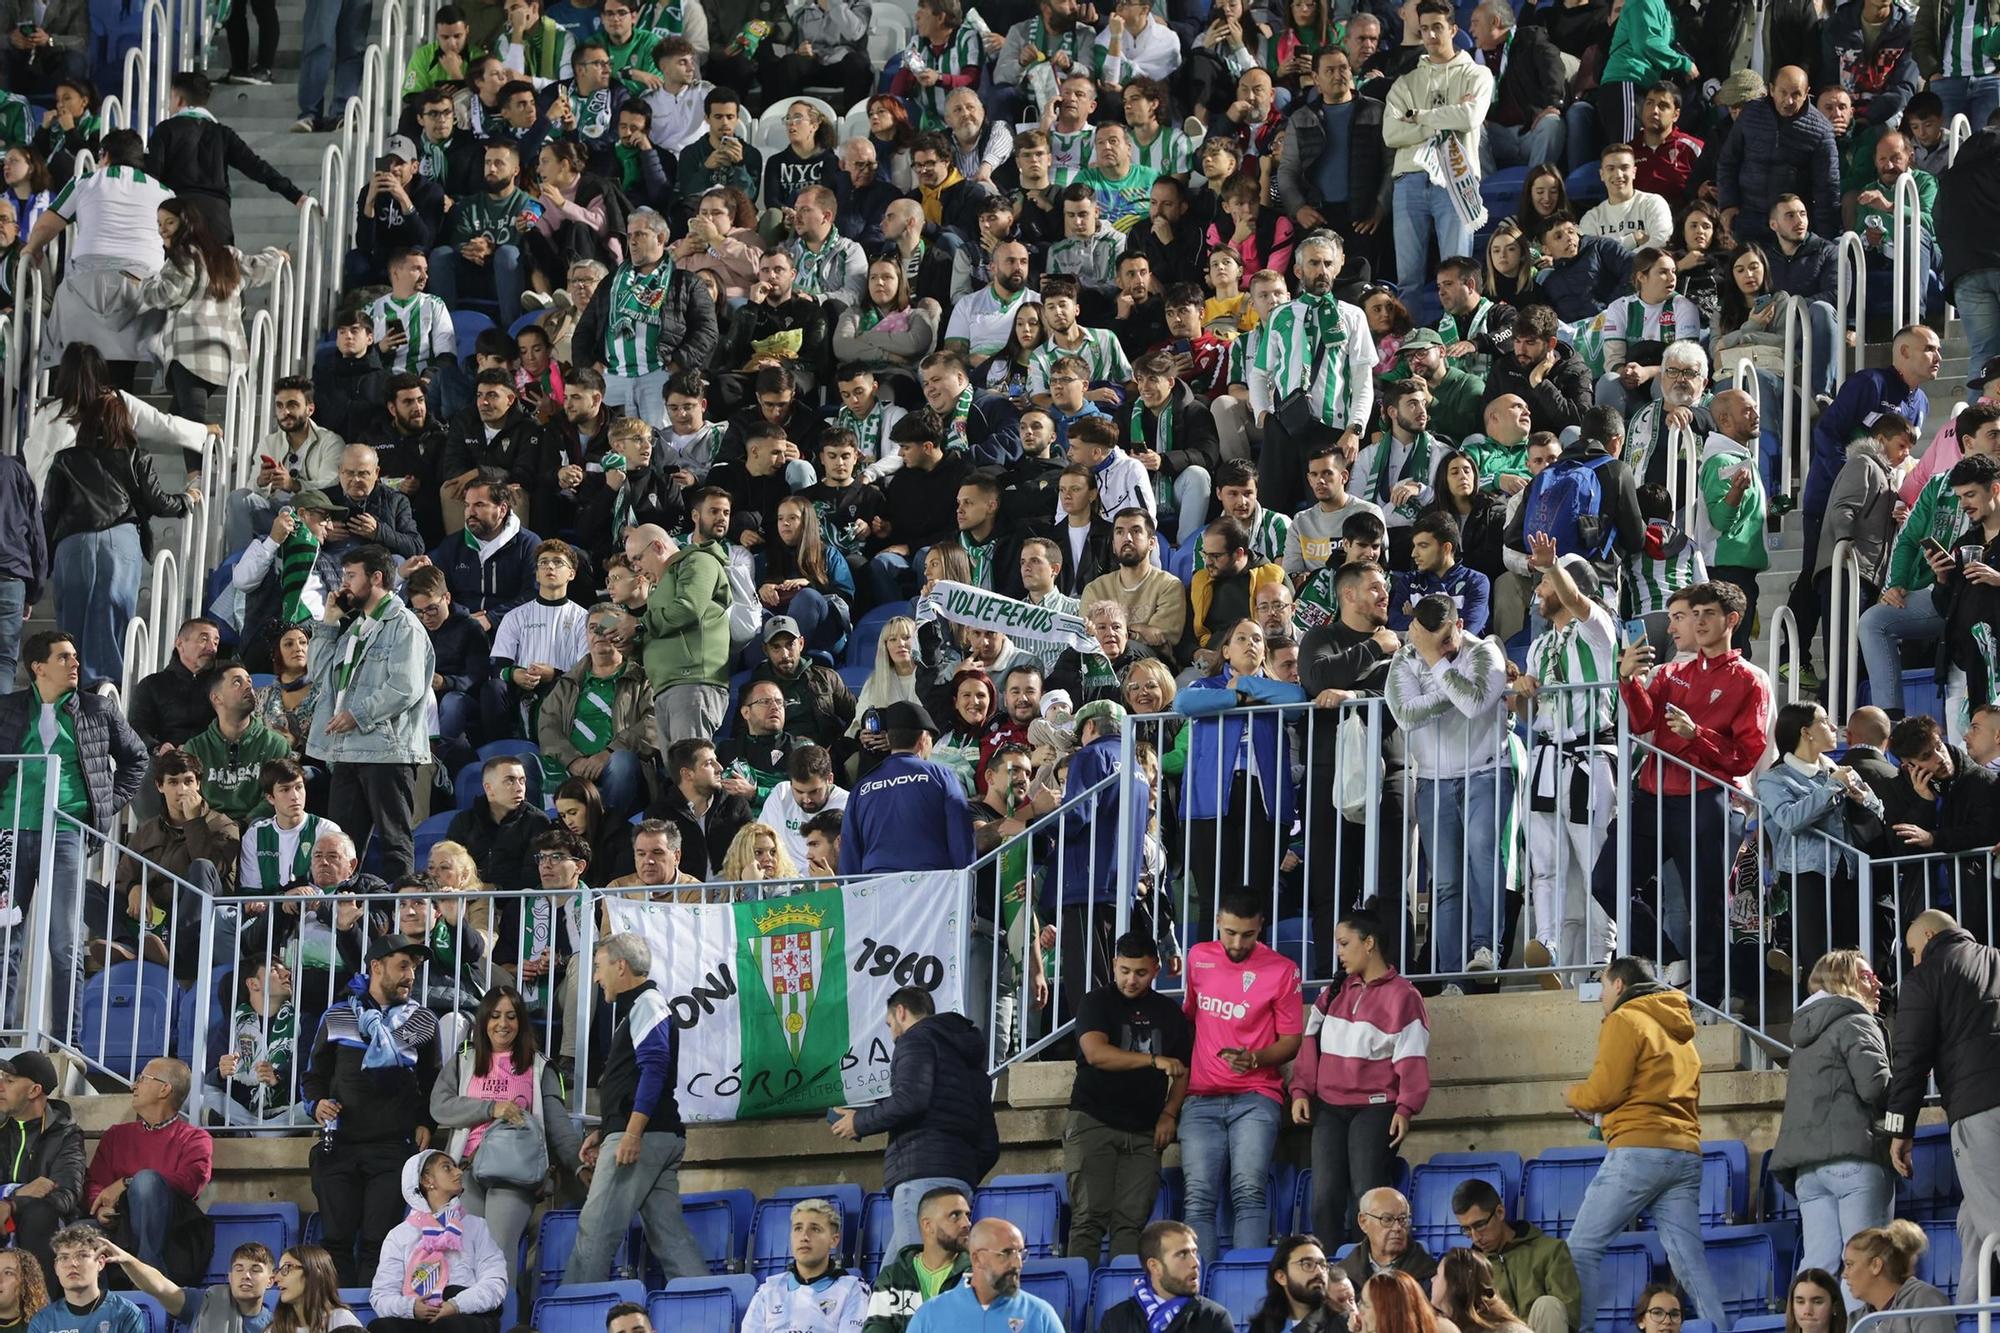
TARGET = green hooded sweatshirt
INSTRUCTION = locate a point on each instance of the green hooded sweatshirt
(230, 783)
(1642, 45)
(687, 620)
(897, 1295)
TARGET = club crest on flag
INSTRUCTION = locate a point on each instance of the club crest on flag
(792, 940)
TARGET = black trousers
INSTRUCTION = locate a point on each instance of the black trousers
(1746, 581)
(378, 798)
(35, 1224)
(1351, 1155)
(359, 1187)
(1238, 851)
(852, 74)
(1088, 931)
(1690, 833)
(238, 28)
(1823, 918)
(1281, 466)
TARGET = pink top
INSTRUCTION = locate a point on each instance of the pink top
(1244, 1006)
(1367, 1044)
(499, 1084)
(1942, 456)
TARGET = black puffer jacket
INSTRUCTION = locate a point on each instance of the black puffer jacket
(52, 1148)
(93, 488)
(114, 758)
(688, 328)
(1948, 1022)
(939, 1111)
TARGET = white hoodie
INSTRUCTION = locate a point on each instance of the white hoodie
(478, 1266)
(1437, 94)
(782, 1305)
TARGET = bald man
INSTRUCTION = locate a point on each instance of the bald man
(1385, 1230)
(375, 513)
(1729, 520)
(1781, 145)
(1867, 748)
(1948, 1025)
(991, 1295)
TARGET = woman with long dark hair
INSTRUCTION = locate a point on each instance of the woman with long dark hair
(1750, 326)
(309, 1293)
(101, 494)
(80, 377)
(1543, 196)
(580, 809)
(1481, 515)
(200, 288)
(804, 576)
(1462, 1291)
(890, 330)
(1815, 1303)
(503, 1079)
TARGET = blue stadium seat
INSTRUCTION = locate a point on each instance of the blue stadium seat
(712, 1220)
(1584, 187)
(312, 1232)
(1697, 1326)
(519, 747)
(1433, 1224)
(877, 1220)
(154, 1313)
(854, 677)
(1038, 1205)
(356, 1299)
(1112, 1285)
(868, 631)
(1629, 1264)
(1502, 190)
(274, 1225)
(1761, 1323)
(1931, 1193)
(1938, 1264)
(553, 1241)
(1236, 1282)
(1743, 1261)
(1552, 1186)
(262, 680)
(1302, 1202)
(428, 835)
(1775, 1203)
(703, 1304)
(127, 1016)
(467, 325)
(1063, 1283)
(1173, 1189)
(466, 789)
(1725, 1182)
(771, 1224)
(581, 1308)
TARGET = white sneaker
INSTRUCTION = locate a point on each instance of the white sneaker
(1452, 989)
(1676, 975)
(1482, 960)
(535, 300)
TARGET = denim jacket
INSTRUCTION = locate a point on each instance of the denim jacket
(1798, 803)
(387, 693)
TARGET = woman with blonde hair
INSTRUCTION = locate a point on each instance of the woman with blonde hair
(1880, 1265)
(755, 855)
(895, 679)
(1149, 689)
(1828, 1153)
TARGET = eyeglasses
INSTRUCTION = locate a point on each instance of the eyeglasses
(1391, 1220)
(1479, 1224)
(547, 858)
(1661, 1312)
(1311, 1265)
(287, 1269)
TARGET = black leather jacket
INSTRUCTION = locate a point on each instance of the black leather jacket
(93, 487)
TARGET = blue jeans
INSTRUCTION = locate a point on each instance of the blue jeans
(448, 268)
(96, 577)
(13, 605)
(822, 623)
(1837, 1199)
(1513, 146)
(334, 40)
(1978, 98)
(1459, 821)
(888, 577)
(622, 784)
(1631, 1181)
(1819, 369)
(62, 900)
(903, 1228)
(1977, 296)
(458, 715)
(641, 396)
(1884, 628)
(149, 1207)
(1188, 497)
(1421, 211)
(246, 516)
(1228, 1136)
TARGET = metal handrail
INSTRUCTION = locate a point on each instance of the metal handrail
(1796, 411)
(1906, 297)
(1956, 134)
(1782, 633)
(1843, 644)
(1850, 302)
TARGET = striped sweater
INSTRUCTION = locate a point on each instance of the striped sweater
(1366, 1043)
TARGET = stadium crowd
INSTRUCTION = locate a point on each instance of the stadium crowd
(708, 492)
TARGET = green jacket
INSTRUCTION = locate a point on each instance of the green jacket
(1495, 460)
(1642, 46)
(897, 1295)
(1457, 406)
(425, 73)
(687, 620)
(1536, 1264)
(1927, 188)
(231, 781)
(1736, 535)
(1935, 514)
(490, 216)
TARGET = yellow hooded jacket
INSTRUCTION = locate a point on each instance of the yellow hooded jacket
(1646, 1081)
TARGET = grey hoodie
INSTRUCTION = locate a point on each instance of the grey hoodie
(1838, 1089)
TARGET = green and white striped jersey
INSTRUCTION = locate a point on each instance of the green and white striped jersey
(1269, 531)
(1966, 29)
(632, 329)
(1099, 350)
(1170, 154)
(1583, 652)
(1653, 579)
(1070, 152)
(427, 323)
(1322, 345)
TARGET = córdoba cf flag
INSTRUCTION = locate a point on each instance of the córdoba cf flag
(780, 1003)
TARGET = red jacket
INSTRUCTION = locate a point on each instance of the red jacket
(181, 1152)
(1665, 170)
(1366, 1044)
(1730, 702)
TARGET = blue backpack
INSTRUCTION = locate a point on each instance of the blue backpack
(1564, 502)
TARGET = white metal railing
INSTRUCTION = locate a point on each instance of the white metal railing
(1783, 644)
(1796, 414)
(1907, 267)
(1956, 134)
(1843, 641)
(148, 73)
(1850, 310)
